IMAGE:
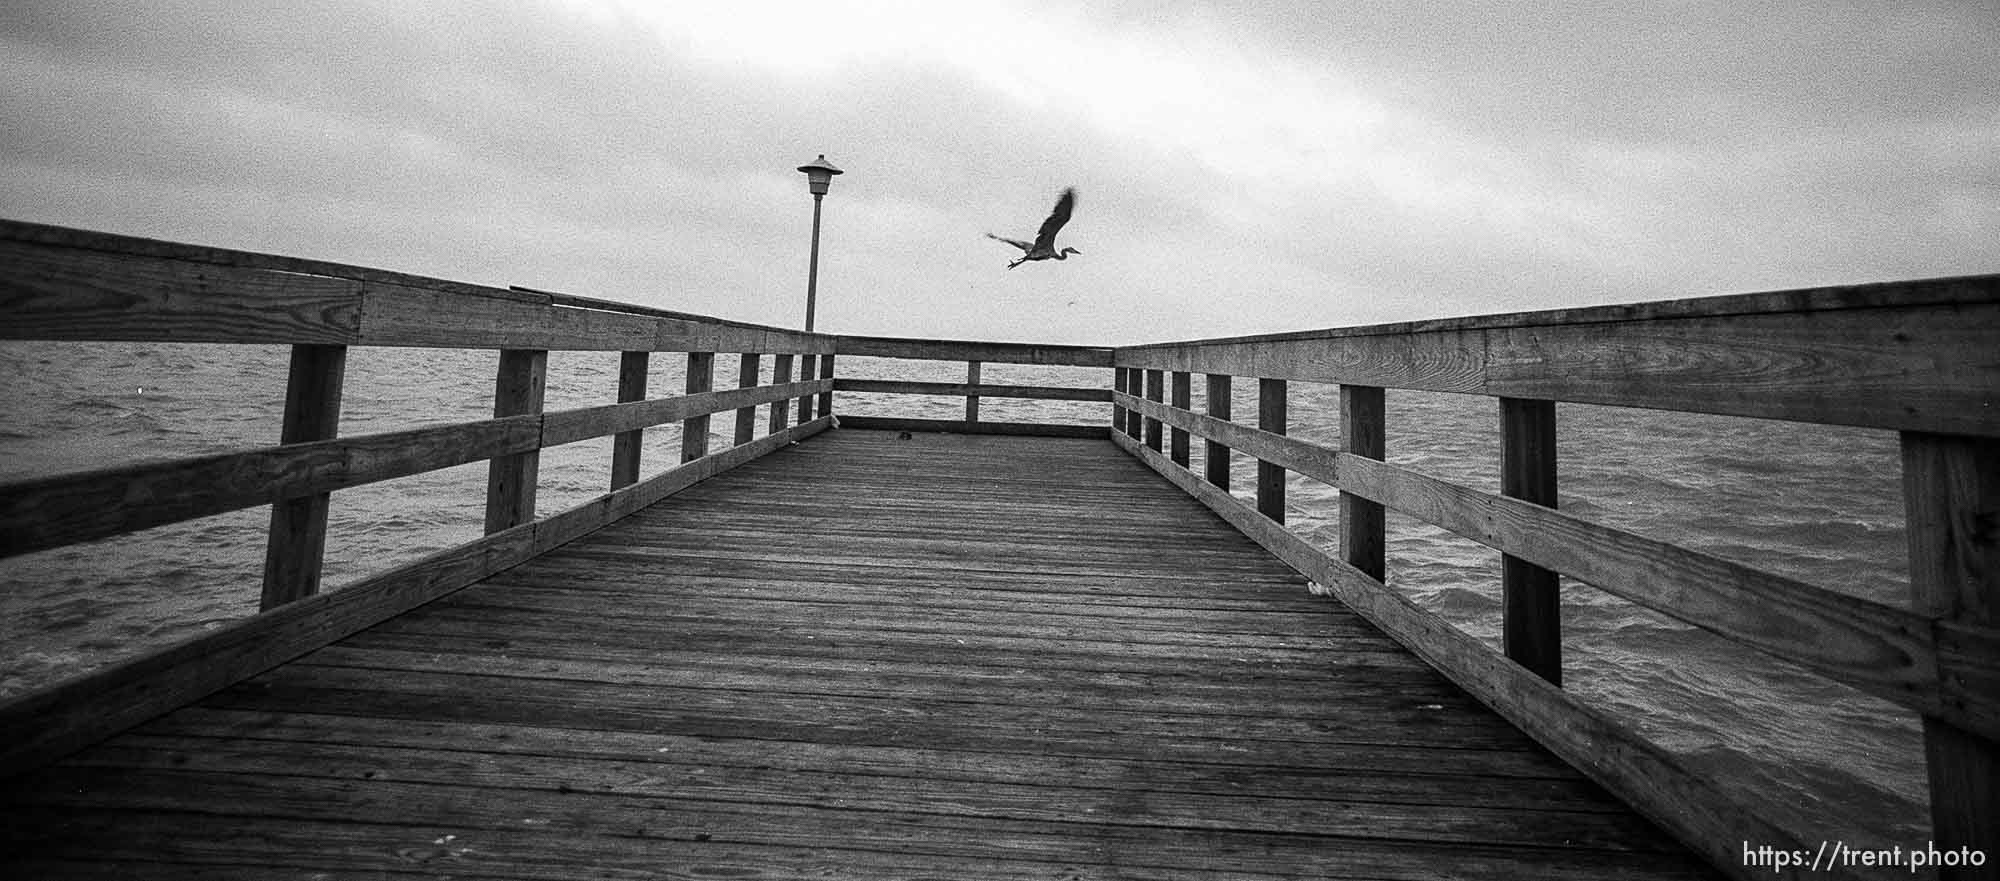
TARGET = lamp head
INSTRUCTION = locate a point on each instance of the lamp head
(819, 174)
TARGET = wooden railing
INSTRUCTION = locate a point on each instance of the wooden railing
(63, 284)
(973, 355)
(1919, 358)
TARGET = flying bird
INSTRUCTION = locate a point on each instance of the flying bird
(1044, 246)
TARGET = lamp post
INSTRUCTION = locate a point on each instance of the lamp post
(819, 175)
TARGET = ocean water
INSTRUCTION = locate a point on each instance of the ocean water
(1815, 503)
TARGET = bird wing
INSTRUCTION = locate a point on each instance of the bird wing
(1066, 203)
(1015, 242)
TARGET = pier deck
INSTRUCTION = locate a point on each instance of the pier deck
(860, 657)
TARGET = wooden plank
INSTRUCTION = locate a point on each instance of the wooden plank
(748, 375)
(1531, 601)
(961, 350)
(1039, 392)
(1919, 357)
(1051, 429)
(1155, 392)
(627, 446)
(42, 725)
(570, 426)
(510, 480)
(59, 293)
(297, 541)
(1120, 384)
(1363, 522)
(781, 408)
(1649, 778)
(66, 509)
(694, 429)
(1215, 455)
(1182, 399)
(971, 400)
(1951, 489)
(806, 365)
(826, 376)
(1271, 406)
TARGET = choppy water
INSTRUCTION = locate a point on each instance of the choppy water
(1819, 504)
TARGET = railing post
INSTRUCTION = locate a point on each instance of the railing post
(1135, 385)
(1271, 476)
(296, 548)
(972, 401)
(1951, 492)
(1531, 599)
(826, 372)
(1155, 392)
(1182, 392)
(747, 371)
(781, 409)
(694, 429)
(1363, 524)
(626, 445)
(1214, 454)
(806, 365)
(510, 480)
(1121, 384)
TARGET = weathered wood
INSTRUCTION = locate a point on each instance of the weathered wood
(826, 376)
(1271, 417)
(1951, 489)
(1363, 522)
(66, 294)
(781, 408)
(1289, 453)
(1182, 398)
(511, 479)
(1646, 776)
(694, 429)
(66, 509)
(748, 375)
(626, 446)
(964, 350)
(902, 387)
(1155, 392)
(752, 709)
(42, 725)
(806, 365)
(953, 426)
(1911, 356)
(971, 400)
(1531, 599)
(1215, 456)
(570, 426)
(1120, 384)
(297, 541)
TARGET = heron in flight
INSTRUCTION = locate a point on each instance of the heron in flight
(1044, 246)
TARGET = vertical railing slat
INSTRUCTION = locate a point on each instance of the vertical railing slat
(972, 401)
(1215, 454)
(296, 548)
(1531, 623)
(1951, 492)
(826, 372)
(1363, 524)
(748, 372)
(694, 429)
(626, 445)
(1121, 382)
(1181, 394)
(510, 479)
(1155, 392)
(806, 365)
(1271, 417)
(781, 409)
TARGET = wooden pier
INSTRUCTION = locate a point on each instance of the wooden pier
(848, 647)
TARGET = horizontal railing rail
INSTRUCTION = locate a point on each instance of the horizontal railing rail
(974, 355)
(72, 285)
(1921, 358)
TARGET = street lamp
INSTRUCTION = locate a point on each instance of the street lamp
(819, 175)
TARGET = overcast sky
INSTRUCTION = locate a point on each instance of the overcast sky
(1241, 167)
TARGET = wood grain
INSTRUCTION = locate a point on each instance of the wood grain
(974, 389)
(966, 350)
(296, 545)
